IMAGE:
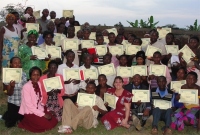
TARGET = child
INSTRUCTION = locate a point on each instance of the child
(13, 90)
(123, 63)
(71, 85)
(79, 34)
(74, 115)
(137, 41)
(119, 39)
(162, 93)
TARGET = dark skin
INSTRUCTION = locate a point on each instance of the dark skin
(102, 82)
(86, 35)
(80, 34)
(61, 29)
(87, 64)
(119, 39)
(180, 75)
(106, 60)
(111, 38)
(100, 40)
(169, 39)
(120, 30)
(70, 32)
(45, 14)
(136, 42)
(123, 61)
(29, 11)
(32, 42)
(52, 14)
(105, 33)
(131, 39)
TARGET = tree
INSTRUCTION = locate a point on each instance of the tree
(171, 26)
(194, 27)
(134, 25)
(118, 24)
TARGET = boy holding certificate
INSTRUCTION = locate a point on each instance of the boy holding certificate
(85, 116)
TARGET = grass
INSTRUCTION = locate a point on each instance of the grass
(100, 130)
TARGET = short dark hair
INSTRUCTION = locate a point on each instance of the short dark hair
(35, 68)
(14, 12)
(107, 55)
(26, 9)
(47, 33)
(194, 37)
(52, 62)
(15, 57)
(161, 77)
(123, 56)
(170, 34)
(157, 52)
(183, 68)
(111, 33)
(193, 73)
(102, 75)
(91, 83)
(60, 24)
(68, 51)
(140, 41)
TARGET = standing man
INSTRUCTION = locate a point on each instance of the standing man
(43, 20)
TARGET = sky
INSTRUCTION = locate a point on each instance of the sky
(109, 12)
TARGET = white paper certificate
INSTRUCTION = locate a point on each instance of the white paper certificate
(92, 36)
(39, 52)
(68, 13)
(163, 32)
(90, 73)
(124, 71)
(106, 40)
(77, 28)
(101, 50)
(145, 41)
(187, 53)
(132, 49)
(157, 70)
(54, 51)
(173, 49)
(87, 43)
(52, 83)
(116, 50)
(151, 50)
(113, 30)
(70, 44)
(107, 70)
(14, 74)
(189, 96)
(176, 85)
(141, 70)
(72, 73)
(125, 42)
(162, 104)
(143, 95)
(84, 99)
(110, 99)
(32, 26)
(36, 14)
(58, 38)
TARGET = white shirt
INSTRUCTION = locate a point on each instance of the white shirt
(19, 28)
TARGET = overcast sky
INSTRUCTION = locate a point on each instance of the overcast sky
(110, 12)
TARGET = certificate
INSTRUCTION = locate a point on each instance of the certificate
(110, 99)
(39, 52)
(85, 99)
(92, 36)
(162, 104)
(54, 51)
(189, 96)
(106, 40)
(163, 32)
(36, 14)
(116, 50)
(14, 74)
(143, 95)
(176, 85)
(101, 50)
(107, 70)
(70, 44)
(132, 49)
(90, 74)
(52, 83)
(151, 50)
(77, 28)
(68, 13)
(145, 41)
(72, 73)
(58, 39)
(113, 30)
(52, 20)
(141, 70)
(125, 42)
(87, 43)
(173, 49)
(157, 70)
(187, 53)
(32, 26)
(124, 71)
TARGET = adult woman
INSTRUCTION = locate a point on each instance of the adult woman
(36, 118)
(120, 115)
(9, 41)
(53, 99)
(28, 59)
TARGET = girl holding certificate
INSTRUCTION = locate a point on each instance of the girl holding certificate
(120, 115)
(36, 117)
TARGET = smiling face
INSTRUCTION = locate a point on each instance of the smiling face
(190, 80)
(53, 68)
(90, 88)
(102, 80)
(45, 13)
(137, 80)
(111, 38)
(88, 60)
(140, 61)
(100, 40)
(35, 76)
(180, 74)
(48, 39)
(32, 39)
(29, 11)
(10, 20)
(70, 57)
(193, 44)
(153, 36)
(118, 83)
(16, 63)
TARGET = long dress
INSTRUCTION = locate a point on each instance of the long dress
(114, 118)
(25, 53)
(10, 46)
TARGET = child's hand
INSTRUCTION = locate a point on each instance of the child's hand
(180, 55)
(68, 82)
(75, 81)
(106, 104)
(96, 108)
(146, 112)
(33, 57)
(138, 103)
(12, 83)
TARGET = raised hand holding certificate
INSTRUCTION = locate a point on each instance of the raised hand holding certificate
(32, 26)
(141, 70)
(84, 99)
(101, 50)
(90, 74)
(70, 44)
(39, 52)
(68, 13)
(163, 32)
(158, 70)
(54, 51)
(145, 41)
(162, 104)
(87, 43)
(187, 53)
(189, 96)
(14, 74)
(176, 85)
(132, 49)
(107, 70)
(124, 71)
(52, 83)
(36, 14)
(151, 50)
(173, 49)
(110, 99)
(72, 73)
(143, 95)
(116, 50)
(92, 36)
(113, 30)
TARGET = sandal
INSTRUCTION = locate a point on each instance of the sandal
(65, 129)
(167, 131)
(154, 131)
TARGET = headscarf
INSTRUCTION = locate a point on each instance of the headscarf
(34, 32)
(10, 15)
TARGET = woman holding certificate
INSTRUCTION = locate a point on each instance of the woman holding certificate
(36, 118)
(120, 115)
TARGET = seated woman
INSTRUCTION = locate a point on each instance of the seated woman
(120, 115)
(36, 118)
(53, 99)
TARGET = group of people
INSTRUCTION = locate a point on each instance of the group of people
(35, 110)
